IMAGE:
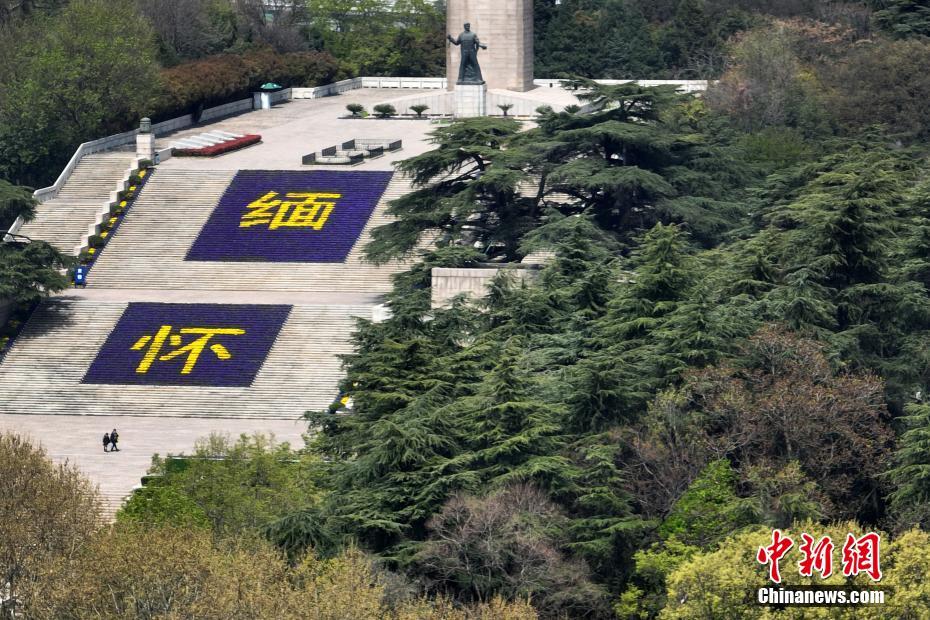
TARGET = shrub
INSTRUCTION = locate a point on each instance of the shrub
(505, 107)
(96, 241)
(544, 110)
(356, 109)
(226, 77)
(47, 511)
(883, 82)
(385, 110)
(419, 109)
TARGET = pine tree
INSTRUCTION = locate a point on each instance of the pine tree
(627, 360)
(455, 192)
(911, 471)
(903, 18)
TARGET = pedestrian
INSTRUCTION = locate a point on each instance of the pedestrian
(106, 441)
(114, 437)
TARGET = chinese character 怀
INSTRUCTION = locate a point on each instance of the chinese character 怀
(192, 349)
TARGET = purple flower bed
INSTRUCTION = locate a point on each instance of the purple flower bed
(188, 344)
(289, 216)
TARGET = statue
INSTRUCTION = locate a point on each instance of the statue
(469, 71)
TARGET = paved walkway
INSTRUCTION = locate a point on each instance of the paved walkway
(78, 440)
(296, 128)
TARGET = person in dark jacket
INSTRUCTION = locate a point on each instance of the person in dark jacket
(106, 441)
(114, 437)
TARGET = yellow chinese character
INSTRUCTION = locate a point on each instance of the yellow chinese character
(304, 210)
(193, 349)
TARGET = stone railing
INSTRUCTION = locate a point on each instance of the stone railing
(129, 137)
(337, 88)
(403, 82)
(685, 86)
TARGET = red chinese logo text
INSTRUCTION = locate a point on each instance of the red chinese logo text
(860, 555)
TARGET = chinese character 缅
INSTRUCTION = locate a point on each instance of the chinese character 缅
(192, 349)
(861, 556)
(817, 557)
(773, 553)
(301, 210)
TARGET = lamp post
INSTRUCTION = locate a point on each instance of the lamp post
(145, 141)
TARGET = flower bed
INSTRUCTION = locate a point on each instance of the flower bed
(126, 199)
(218, 149)
(220, 345)
(290, 216)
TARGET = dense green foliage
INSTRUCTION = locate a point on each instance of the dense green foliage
(55, 95)
(15, 202)
(31, 271)
(731, 334)
(726, 333)
(228, 487)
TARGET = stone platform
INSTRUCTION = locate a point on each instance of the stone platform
(471, 100)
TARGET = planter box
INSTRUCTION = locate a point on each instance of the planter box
(220, 148)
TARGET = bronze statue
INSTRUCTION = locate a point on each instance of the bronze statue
(469, 71)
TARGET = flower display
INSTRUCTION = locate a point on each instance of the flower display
(220, 148)
(219, 345)
(89, 255)
(289, 216)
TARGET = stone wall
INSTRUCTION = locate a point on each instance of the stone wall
(472, 282)
(506, 27)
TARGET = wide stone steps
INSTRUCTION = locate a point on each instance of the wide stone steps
(150, 246)
(63, 220)
(42, 373)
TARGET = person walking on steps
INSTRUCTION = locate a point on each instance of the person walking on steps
(106, 441)
(114, 437)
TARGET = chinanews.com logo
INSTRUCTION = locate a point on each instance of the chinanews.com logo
(858, 556)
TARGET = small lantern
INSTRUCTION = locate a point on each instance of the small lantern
(145, 125)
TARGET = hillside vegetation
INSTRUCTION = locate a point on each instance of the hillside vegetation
(732, 337)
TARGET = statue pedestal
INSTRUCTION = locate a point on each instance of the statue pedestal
(471, 100)
(145, 146)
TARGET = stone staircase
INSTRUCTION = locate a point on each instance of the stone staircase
(63, 220)
(42, 372)
(150, 247)
(41, 389)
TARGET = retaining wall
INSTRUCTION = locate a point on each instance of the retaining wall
(473, 282)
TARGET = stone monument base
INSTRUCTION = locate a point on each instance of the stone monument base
(145, 146)
(471, 100)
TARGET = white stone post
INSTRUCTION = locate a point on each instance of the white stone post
(145, 141)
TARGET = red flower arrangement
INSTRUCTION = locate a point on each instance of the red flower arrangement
(219, 149)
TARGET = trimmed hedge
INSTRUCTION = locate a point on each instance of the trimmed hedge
(219, 149)
(228, 77)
